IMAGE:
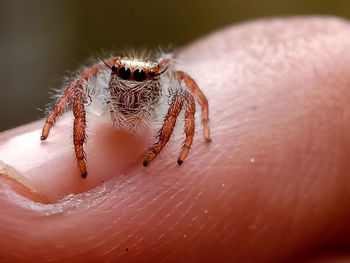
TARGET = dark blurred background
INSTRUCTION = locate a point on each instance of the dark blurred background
(41, 40)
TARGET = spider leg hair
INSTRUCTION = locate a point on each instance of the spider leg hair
(110, 62)
(104, 62)
(68, 96)
(167, 128)
(189, 126)
(164, 64)
(192, 85)
(163, 71)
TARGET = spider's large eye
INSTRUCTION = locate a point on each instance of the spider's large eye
(114, 68)
(124, 73)
(139, 75)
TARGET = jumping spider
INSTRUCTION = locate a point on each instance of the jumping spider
(133, 91)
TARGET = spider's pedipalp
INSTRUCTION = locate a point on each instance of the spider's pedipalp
(203, 102)
(189, 126)
(167, 128)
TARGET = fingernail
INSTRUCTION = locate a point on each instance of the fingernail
(20, 184)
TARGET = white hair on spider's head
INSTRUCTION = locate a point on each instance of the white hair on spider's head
(139, 53)
(138, 63)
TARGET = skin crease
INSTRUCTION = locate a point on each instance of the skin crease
(272, 187)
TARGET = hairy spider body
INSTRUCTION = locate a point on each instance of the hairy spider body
(132, 95)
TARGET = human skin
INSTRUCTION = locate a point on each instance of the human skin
(273, 186)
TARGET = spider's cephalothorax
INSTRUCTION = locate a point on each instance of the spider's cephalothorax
(134, 90)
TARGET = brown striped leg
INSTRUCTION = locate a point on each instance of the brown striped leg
(189, 126)
(79, 130)
(192, 85)
(59, 108)
(69, 93)
(166, 130)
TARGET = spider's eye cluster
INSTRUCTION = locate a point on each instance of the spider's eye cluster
(138, 74)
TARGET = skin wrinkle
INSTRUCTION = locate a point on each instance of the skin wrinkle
(175, 222)
(151, 215)
(271, 209)
(175, 207)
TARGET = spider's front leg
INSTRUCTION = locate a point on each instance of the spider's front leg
(167, 128)
(74, 94)
(79, 134)
(59, 108)
(69, 93)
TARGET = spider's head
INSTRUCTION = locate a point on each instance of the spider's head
(134, 69)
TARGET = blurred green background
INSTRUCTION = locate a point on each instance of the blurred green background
(41, 40)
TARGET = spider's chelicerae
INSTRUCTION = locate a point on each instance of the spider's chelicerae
(132, 95)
